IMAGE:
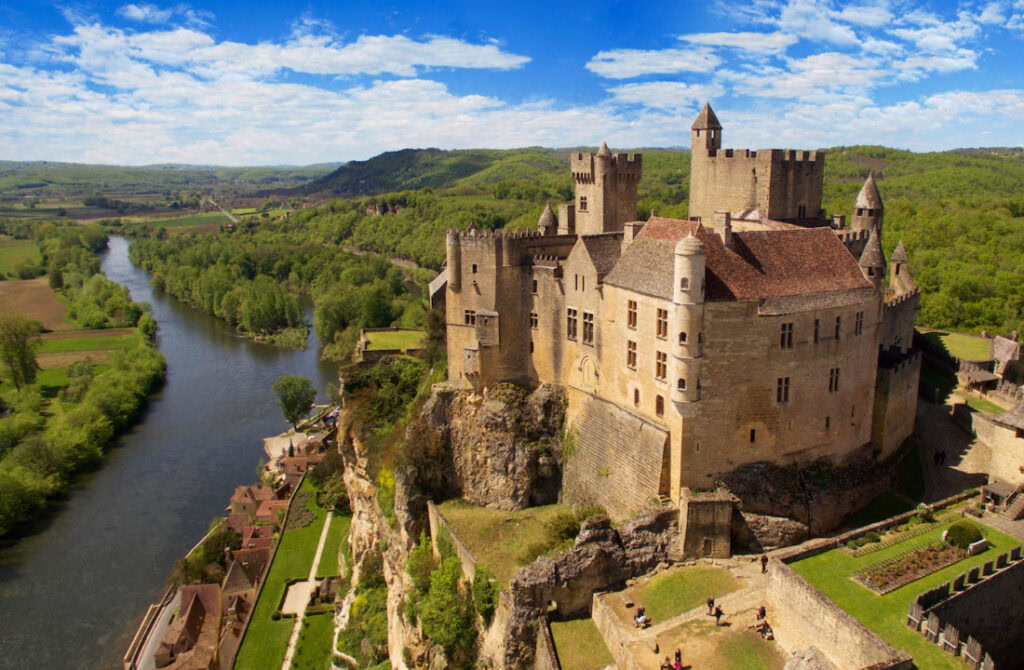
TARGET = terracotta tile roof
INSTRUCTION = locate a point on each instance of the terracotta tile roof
(762, 264)
(603, 250)
(1013, 419)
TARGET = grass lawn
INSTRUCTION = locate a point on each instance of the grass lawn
(191, 220)
(886, 615)
(498, 539)
(742, 649)
(266, 640)
(337, 537)
(395, 339)
(967, 347)
(16, 251)
(677, 591)
(313, 651)
(981, 404)
(83, 343)
(579, 646)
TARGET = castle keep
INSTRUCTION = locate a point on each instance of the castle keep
(755, 331)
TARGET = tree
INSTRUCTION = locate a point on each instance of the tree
(18, 341)
(295, 395)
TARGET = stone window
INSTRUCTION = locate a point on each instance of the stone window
(860, 212)
(636, 397)
(786, 336)
(839, 326)
(531, 346)
(631, 355)
(659, 406)
(583, 282)
(631, 313)
(828, 422)
(583, 203)
(588, 328)
(570, 324)
(684, 284)
(817, 329)
(897, 268)
(858, 324)
(660, 365)
(576, 282)
(753, 435)
(533, 320)
(662, 323)
(474, 268)
(470, 317)
(782, 390)
(801, 211)
(681, 384)
(833, 380)
(682, 337)
(535, 286)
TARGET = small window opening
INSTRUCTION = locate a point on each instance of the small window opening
(659, 406)
(753, 435)
(682, 338)
(534, 285)
(681, 385)
(636, 397)
(474, 268)
(684, 284)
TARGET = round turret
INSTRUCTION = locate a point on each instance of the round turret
(547, 224)
(689, 246)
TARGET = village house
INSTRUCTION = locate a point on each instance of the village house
(190, 642)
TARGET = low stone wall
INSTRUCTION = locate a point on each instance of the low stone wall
(439, 524)
(805, 617)
(705, 523)
(547, 659)
(604, 618)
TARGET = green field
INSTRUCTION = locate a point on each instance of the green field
(204, 219)
(980, 404)
(337, 540)
(672, 593)
(579, 645)
(16, 251)
(395, 339)
(967, 347)
(499, 539)
(84, 344)
(886, 615)
(267, 640)
(313, 651)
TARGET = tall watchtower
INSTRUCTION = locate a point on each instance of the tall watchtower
(706, 132)
(868, 211)
(605, 190)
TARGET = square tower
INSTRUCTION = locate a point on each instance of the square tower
(605, 190)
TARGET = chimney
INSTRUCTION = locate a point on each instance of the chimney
(631, 230)
(838, 220)
(723, 226)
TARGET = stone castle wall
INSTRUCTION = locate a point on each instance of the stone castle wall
(805, 617)
(895, 407)
(898, 314)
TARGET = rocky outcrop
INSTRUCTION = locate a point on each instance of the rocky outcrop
(811, 658)
(602, 558)
(500, 449)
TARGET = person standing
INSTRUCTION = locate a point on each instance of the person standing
(764, 563)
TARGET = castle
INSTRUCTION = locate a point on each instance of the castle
(755, 331)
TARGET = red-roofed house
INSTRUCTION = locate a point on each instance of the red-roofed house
(192, 639)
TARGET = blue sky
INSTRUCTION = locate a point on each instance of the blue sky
(244, 83)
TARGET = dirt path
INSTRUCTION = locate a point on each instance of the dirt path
(72, 334)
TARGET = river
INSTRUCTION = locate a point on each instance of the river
(72, 594)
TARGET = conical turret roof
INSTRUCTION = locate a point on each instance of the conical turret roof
(604, 150)
(872, 256)
(706, 119)
(547, 218)
(869, 197)
(899, 254)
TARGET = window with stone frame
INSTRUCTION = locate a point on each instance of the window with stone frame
(631, 354)
(470, 317)
(662, 323)
(570, 323)
(659, 406)
(583, 203)
(858, 323)
(636, 397)
(631, 314)
(833, 380)
(588, 328)
(533, 320)
(782, 390)
(660, 365)
(786, 336)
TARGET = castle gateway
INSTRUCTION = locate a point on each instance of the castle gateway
(755, 331)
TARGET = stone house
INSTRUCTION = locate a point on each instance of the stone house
(754, 331)
(191, 640)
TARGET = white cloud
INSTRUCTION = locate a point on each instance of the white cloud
(873, 16)
(666, 94)
(821, 77)
(753, 42)
(145, 13)
(937, 37)
(816, 21)
(627, 63)
(993, 14)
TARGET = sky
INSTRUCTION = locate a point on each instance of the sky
(252, 83)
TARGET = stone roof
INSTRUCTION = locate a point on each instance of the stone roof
(761, 264)
(899, 254)
(706, 119)
(603, 250)
(869, 197)
(604, 150)
(872, 256)
(1004, 349)
(1013, 419)
(547, 218)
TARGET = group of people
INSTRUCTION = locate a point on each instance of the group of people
(939, 457)
(761, 624)
(714, 610)
(673, 665)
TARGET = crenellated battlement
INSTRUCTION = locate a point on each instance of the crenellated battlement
(850, 236)
(898, 300)
(584, 166)
(768, 155)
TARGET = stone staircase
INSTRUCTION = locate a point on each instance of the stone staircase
(1014, 508)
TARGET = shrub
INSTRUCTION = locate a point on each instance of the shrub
(963, 533)
(485, 592)
(872, 537)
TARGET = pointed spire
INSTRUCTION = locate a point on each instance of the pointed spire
(604, 150)
(706, 119)
(547, 219)
(872, 256)
(869, 197)
(899, 254)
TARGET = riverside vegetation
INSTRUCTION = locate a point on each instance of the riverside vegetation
(59, 422)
